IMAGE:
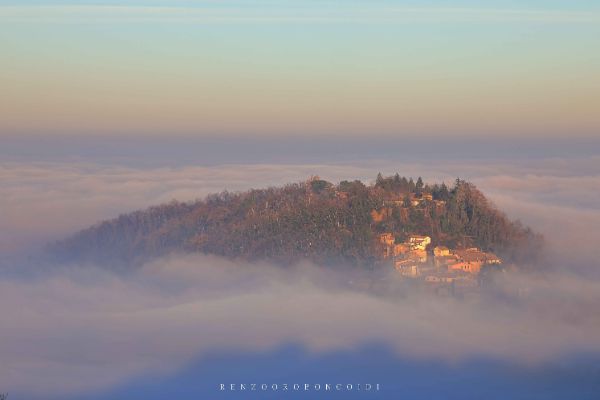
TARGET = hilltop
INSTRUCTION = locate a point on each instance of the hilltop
(316, 220)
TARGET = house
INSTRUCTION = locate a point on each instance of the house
(441, 251)
(400, 249)
(427, 196)
(473, 254)
(445, 260)
(472, 267)
(472, 260)
(419, 242)
(418, 256)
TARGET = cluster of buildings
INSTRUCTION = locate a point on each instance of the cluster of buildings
(399, 200)
(444, 270)
(407, 256)
(414, 248)
(403, 202)
(469, 260)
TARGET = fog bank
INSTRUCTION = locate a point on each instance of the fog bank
(79, 329)
(76, 328)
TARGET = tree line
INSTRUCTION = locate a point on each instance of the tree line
(316, 220)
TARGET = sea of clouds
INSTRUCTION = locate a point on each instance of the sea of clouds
(72, 328)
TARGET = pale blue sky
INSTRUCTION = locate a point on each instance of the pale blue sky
(300, 67)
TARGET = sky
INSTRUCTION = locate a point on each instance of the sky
(281, 69)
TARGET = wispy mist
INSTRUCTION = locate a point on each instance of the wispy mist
(76, 328)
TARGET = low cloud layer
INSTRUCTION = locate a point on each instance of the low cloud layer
(47, 201)
(79, 328)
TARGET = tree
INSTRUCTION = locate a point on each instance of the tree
(318, 185)
(281, 225)
(443, 193)
(404, 184)
(379, 181)
(396, 181)
(419, 187)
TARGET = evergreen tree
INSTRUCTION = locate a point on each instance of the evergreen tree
(379, 182)
(419, 187)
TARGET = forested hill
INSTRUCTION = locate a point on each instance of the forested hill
(314, 220)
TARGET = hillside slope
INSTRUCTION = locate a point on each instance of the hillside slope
(314, 220)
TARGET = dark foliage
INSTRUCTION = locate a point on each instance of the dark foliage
(315, 220)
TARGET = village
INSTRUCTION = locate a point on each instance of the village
(441, 270)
